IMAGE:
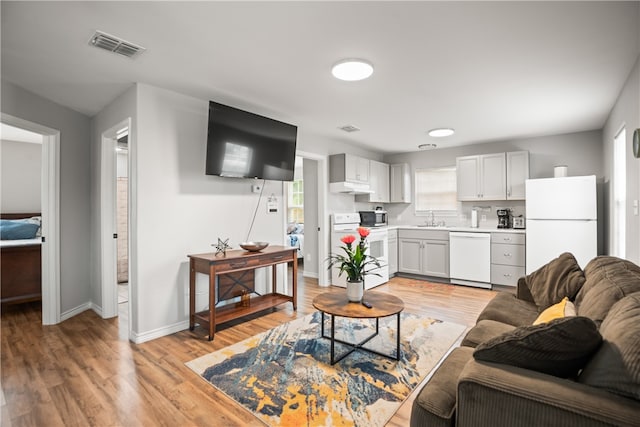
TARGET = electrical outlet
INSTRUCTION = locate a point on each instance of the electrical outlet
(483, 218)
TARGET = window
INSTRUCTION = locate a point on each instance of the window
(295, 205)
(619, 193)
(436, 190)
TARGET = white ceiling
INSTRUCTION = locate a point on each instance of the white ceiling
(491, 70)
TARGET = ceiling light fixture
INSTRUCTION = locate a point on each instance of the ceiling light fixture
(441, 132)
(352, 70)
(427, 146)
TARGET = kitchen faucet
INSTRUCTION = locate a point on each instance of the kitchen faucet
(432, 220)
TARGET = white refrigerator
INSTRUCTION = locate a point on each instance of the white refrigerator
(561, 216)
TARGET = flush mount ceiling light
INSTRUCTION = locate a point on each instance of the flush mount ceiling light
(441, 132)
(352, 70)
(427, 146)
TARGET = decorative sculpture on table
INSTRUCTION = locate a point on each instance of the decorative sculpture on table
(222, 246)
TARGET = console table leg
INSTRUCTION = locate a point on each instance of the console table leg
(212, 302)
(192, 294)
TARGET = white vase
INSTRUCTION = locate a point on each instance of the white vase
(355, 291)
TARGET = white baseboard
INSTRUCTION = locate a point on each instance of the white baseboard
(311, 275)
(75, 311)
(139, 338)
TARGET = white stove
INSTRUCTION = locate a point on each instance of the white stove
(343, 224)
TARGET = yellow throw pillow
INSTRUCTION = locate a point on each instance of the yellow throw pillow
(564, 308)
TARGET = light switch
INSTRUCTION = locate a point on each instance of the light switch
(635, 207)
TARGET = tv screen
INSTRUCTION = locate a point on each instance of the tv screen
(245, 145)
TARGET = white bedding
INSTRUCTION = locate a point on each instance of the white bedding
(297, 241)
(25, 242)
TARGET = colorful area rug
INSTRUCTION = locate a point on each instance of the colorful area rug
(284, 376)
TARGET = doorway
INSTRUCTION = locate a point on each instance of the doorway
(50, 209)
(305, 216)
(115, 203)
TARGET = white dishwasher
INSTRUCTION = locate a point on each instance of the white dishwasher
(470, 259)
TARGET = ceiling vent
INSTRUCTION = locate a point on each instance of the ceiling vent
(114, 44)
(349, 128)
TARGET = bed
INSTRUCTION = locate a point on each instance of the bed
(295, 236)
(20, 258)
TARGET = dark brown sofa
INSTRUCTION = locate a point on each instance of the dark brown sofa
(489, 379)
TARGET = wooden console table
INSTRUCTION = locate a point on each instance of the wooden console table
(237, 261)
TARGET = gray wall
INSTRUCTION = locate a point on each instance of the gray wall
(21, 171)
(75, 176)
(310, 173)
(626, 112)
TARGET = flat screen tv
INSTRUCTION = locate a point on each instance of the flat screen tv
(245, 145)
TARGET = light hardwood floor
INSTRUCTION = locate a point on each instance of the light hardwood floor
(85, 372)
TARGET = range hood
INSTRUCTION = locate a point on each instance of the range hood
(349, 188)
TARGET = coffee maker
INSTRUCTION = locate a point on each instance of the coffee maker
(505, 218)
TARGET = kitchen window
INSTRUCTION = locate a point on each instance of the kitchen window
(436, 190)
(295, 205)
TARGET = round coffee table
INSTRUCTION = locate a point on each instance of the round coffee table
(335, 303)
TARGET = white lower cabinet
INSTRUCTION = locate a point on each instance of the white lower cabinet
(507, 258)
(424, 252)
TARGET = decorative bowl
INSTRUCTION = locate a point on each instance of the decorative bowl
(254, 246)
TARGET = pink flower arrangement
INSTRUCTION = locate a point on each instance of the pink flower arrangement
(355, 262)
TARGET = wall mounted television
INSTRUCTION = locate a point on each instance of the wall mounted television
(241, 144)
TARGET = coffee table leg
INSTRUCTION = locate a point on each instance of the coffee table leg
(333, 340)
(398, 339)
(322, 324)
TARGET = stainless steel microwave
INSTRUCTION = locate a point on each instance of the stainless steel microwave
(373, 218)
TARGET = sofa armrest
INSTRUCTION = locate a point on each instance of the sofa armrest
(522, 291)
(491, 394)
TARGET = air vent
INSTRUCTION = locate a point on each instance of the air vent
(114, 44)
(349, 128)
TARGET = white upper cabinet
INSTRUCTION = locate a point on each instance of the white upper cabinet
(356, 169)
(494, 177)
(517, 174)
(481, 177)
(400, 183)
(348, 168)
(467, 170)
(378, 183)
(498, 176)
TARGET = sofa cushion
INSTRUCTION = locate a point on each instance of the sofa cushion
(561, 277)
(616, 364)
(560, 347)
(436, 403)
(564, 308)
(506, 308)
(484, 331)
(608, 280)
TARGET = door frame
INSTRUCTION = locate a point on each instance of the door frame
(50, 210)
(108, 221)
(323, 217)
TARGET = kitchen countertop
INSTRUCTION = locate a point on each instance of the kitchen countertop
(461, 228)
